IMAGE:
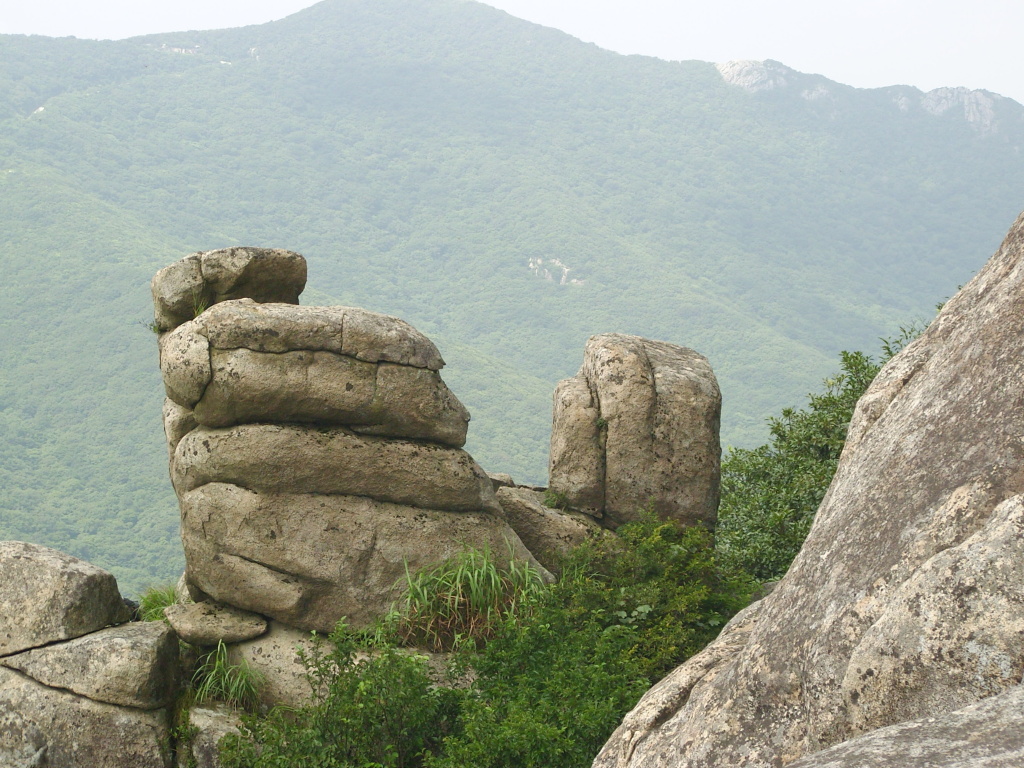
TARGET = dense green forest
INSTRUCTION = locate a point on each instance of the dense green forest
(423, 154)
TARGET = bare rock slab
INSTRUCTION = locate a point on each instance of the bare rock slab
(906, 602)
(76, 731)
(184, 289)
(308, 560)
(132, 665)
(988, 734)
(242, 362)
(210, 623)
(637, 428)
(46, 596)
(208, 724)
(272, 458)
(275, 658)
(548, 533)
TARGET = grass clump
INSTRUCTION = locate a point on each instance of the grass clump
(464, 599)
(217, 679)
(153, 601)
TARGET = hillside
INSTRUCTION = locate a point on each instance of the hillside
(439, 160)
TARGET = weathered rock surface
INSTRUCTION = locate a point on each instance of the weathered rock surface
(907, 599)
(211, 623)
(270, 458)
(637, 427)
(309, 559)
(76, 731)
(989, 734)
(208, 725)
(185, 288)
(275, 658)
(132, 665)
(242, 362)
(548, 533)
(46, 596)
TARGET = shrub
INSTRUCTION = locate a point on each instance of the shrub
(375, 710)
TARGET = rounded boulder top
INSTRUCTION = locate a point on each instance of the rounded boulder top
(184, 289)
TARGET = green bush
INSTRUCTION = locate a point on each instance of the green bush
(553, 686)
(770, 494)
(378, 709)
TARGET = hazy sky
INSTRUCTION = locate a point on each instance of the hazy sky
(866, 43)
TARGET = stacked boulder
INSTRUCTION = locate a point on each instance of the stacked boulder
(78, 685)
(637, 429)
(315, 451)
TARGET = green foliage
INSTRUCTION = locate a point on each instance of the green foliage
(153, 601)
(217, 679)
(556, 499)
(463, 599)
(372, 709)
(770, 494)
(553, 687)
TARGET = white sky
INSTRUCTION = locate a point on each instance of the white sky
(866, 43)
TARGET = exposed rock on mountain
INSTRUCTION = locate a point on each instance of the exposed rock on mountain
(905, 602)
(314, 450)
(637, 427)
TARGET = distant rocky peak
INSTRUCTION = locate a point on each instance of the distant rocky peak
(756, 76)
(978, 106)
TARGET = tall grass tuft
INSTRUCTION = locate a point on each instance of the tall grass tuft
(153, 601)
(463, 600)
(217, 679)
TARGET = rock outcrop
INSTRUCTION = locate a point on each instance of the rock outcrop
(75, 691)
(315, 451)
(905, 607)
(637, 428)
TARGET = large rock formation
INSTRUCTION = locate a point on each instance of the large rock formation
(906, 603)
(315, 451)
(637, 428)
(73, 690)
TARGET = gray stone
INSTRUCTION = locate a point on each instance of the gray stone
(208, 724)
(350, 331)
(185, 365)
(271, 458)
(132, 665)
(549, 534)
(636, 429)
(578, 435)
(210, 623)
(501, 480)
(178, 422)
(275, 658)
(308, 560)
(46, 596)
(182, 290)
(988, 734)
(78, 731)
(906, 601)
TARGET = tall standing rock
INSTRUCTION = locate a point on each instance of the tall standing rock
(907, 599)
(638, 427)
(315, 451)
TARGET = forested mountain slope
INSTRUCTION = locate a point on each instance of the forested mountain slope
(440, 160)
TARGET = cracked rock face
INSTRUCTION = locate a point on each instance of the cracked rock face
(314, 450)
(906, 602)
(637, 428)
